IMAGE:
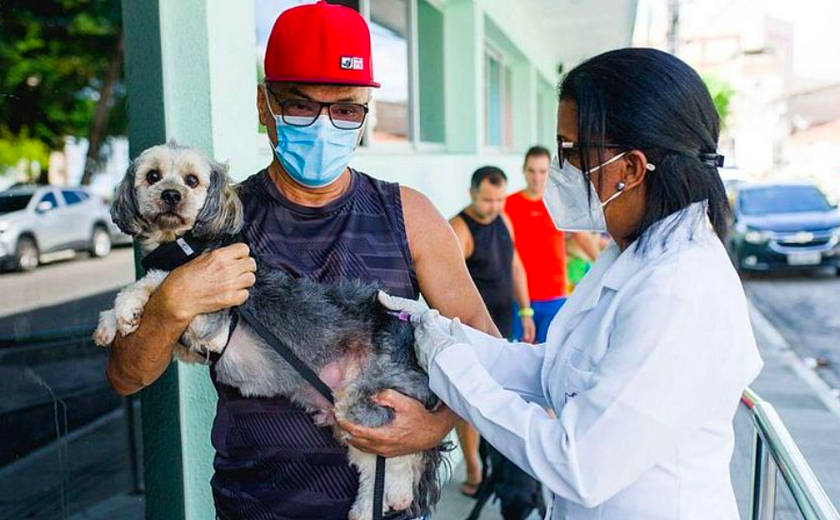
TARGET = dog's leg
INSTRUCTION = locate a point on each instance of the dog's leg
(399, 482)
(207, 333)
(106, 331)
(131, 301)
(366, 464)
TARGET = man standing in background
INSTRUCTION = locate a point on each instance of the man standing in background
(541, 246)
(486, 237)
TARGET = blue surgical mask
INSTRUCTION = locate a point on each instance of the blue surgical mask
(314, 155)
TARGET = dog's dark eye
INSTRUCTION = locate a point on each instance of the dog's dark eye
(153, 176)
(192, 181)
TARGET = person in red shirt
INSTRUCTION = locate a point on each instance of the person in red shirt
(541, 246)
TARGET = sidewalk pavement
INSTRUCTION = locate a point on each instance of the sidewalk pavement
(805, 403)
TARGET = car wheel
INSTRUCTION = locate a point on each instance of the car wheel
(27, 256)
(100, 242)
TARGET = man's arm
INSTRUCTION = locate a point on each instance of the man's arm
(446, 285)
(588, 244)
(209, 283)
(462, 233)
(520, 289)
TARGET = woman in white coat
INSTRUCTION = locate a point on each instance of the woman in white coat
(645, 364)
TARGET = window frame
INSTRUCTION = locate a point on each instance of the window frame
(506, 143)
(413, 141)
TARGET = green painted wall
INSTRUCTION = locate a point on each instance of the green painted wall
(431, 59)
(187, 80)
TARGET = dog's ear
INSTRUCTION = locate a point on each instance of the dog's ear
(222, 211)
(124, 210)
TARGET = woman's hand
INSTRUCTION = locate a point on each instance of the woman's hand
(432, 333)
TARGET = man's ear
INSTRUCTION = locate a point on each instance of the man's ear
(262, 107)
(636, 169)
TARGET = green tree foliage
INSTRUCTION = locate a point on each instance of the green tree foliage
(55, 59)
(722, 93)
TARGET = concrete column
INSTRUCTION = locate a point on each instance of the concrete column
(191, 76)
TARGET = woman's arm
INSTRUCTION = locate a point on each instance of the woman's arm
(674, 363)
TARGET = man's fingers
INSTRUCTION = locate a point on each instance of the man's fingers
(247, 279)
(238, 250)
(393, 399)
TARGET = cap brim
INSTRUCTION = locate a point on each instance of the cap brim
(324, 81)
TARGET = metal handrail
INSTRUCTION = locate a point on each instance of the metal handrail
(774, 442)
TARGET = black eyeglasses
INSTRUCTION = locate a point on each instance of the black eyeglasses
(565, 149)
(304, 112)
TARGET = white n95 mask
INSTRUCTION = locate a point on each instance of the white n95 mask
(571, 206)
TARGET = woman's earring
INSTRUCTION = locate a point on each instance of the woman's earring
(620, 186)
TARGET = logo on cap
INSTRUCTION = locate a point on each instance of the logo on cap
(352, 63)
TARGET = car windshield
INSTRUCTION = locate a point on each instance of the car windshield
(13, 202)
(782, 199)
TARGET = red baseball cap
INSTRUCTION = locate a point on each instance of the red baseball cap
(320, 43)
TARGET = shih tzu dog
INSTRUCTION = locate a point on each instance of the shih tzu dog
(356, 346)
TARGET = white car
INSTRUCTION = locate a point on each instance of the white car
(37, 221)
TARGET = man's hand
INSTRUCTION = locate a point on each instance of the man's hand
(529, 329)
(210, 283)
(404, 435)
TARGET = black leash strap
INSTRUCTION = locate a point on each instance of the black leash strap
(379, 488)
(287, 354)
(312, 378)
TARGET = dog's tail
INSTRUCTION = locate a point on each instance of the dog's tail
(427, 494)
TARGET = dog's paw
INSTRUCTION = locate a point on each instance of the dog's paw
(323, 418)
(129, 313)
(362, 509)
(106, 332)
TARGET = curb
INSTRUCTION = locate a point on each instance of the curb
(820, 388)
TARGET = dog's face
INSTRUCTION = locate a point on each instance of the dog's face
(170, 189)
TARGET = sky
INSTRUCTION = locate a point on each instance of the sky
(816, 32)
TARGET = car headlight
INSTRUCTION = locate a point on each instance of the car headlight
(757, 237)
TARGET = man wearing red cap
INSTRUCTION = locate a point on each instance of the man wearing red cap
(311, 215)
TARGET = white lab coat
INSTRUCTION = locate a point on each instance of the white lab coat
(644, 367)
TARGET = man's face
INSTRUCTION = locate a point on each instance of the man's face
(278, 92)
(536, 172)
(488, 200)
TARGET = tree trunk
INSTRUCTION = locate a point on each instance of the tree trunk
(96, 136)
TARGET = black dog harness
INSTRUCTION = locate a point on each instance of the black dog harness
(172, 255)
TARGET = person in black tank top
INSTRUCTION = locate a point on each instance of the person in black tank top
(486, 238)
(270, 456)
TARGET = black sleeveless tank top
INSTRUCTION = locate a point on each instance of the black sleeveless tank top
(272, 462)
(490, 268)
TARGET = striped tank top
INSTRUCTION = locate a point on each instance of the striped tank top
(272, 462)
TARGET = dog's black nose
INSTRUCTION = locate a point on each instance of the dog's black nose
(171, 197)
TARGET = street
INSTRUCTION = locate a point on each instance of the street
(805, 308)
(63, 282)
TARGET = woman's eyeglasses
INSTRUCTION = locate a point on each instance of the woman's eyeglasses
(571, 149)
(304, 112)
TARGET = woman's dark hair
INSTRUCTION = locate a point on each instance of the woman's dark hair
(648, 100)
